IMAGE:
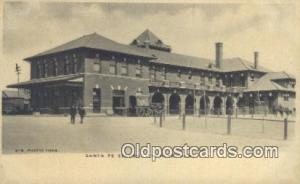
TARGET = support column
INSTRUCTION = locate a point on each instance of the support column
(182, 104)
(211, 100)
(223, 105)
(196, 105)
(166, 103)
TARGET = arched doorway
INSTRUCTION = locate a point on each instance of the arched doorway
(229, 105)
(132, 105)
(189, 104)
(174, 104)
(241, 104)
(218, 105)
(251, 104)
(272, 103)
(158, 98)
(204, 105)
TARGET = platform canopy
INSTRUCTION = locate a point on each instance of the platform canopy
(75, 79)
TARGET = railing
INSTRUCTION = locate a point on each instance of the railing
(196, 86)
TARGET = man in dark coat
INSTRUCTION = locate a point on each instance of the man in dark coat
(73, 113)
(81, 112)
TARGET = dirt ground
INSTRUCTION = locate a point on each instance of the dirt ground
(107, 134)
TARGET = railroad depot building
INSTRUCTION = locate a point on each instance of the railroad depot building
(107, 77)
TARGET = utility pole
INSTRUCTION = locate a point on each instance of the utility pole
(18, 71)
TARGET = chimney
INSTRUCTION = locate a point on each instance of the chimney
(219, 54)
(255, 60)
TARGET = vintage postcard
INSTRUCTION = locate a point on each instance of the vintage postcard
(149, 92)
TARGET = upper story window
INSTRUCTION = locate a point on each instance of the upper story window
(202, 79)
(164, 73)
(286, 97)
(45, 69)
(252, 77)
(138, 70)
(152, 73)
(179, 73)
(242, 80)
(112, 68)
(75, 65)
(97, 66)
(124, 69)
(39, 70)
(190, 75)
(218, 83)
(210, 79)
(55, 67)
(66, 66)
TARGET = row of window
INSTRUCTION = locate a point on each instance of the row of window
(69, 66)
(113, 68)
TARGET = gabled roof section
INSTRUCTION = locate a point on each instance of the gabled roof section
(149, 39)
(267, 82)
(94, 41)
(239, 64)
(175, 59)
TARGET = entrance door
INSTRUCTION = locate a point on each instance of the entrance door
(96, 100)
(132, 105)
(119, 102)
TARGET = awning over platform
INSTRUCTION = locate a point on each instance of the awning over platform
(74, 78)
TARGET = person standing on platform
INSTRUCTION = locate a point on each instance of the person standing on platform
(81, 112)
(73, 113)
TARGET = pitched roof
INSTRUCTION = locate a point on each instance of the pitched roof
(15, 94)
(267, 82)
(239, 64)
(169, 58)
(45, 80)
(94, 41)
(147, 37)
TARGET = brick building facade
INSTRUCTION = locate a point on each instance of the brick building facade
(106, 77)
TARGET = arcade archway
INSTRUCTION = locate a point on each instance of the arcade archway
(174, 104)
(158, 98)
(218, 105)
(189, 104)
(229, 105)
(204, 105)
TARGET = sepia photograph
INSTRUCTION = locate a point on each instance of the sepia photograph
(153, 82)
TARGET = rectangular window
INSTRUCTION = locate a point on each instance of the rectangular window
(243, 81)
(202, 80)
(164, 73)
(66, 67)
(179, 74)
(190, 75)
(45, 69)
(138, 71)
(112, 69)
(55, 68)
(75, 65)
(210, 79)
(286, 98)
(97, 66)
(124, 69)
(152, 74)
(40, 70)
(218, 82)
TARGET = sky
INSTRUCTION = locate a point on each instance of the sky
(191, 29)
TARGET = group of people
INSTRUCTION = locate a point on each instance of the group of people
(73, 111)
